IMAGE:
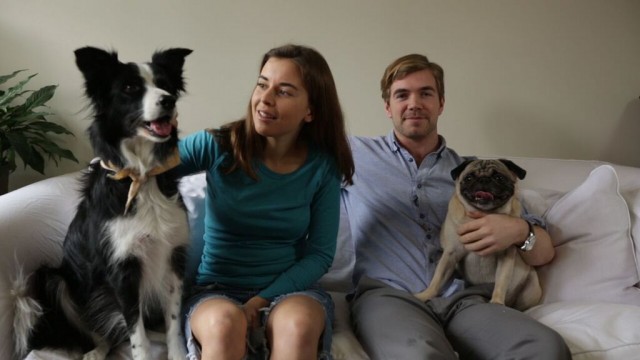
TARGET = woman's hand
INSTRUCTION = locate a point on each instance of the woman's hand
(252, 310)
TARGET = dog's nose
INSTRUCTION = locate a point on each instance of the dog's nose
(167, 102)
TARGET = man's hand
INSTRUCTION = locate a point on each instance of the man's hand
(487, 234)
(252, 310)
(490, 233)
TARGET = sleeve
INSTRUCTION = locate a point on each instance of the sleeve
(320, 246)
(534, 219)
(198, 152)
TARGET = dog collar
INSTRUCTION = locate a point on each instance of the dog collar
(138, 179)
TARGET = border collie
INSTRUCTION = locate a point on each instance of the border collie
(124, 253)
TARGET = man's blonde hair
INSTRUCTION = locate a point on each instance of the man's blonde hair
(409, 64)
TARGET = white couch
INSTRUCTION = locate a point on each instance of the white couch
(591, 293)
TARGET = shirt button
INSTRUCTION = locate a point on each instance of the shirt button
(422, 216)
(410, 160)
(419, 186)
(429, 236)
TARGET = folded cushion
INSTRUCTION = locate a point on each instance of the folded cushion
(590, 229)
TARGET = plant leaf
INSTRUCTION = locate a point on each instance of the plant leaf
(24, 132)
(4, 78)
(14, 91)
(21, 146)
(14, 119)
(47, 126)
(36, 161)
(55, 151)
(39, 97)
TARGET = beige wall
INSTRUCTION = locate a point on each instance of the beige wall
(528, 78)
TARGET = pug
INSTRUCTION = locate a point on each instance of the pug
(488, 186)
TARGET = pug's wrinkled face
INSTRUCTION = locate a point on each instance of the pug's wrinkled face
(487, 185)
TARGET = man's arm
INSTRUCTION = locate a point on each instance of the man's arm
(490, 233)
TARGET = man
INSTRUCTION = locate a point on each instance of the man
(396, 207)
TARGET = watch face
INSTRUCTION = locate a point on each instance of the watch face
(531, 239)
(528, 244)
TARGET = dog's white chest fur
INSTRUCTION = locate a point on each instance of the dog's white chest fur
(158, 226)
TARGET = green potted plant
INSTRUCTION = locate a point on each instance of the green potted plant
(25, 130)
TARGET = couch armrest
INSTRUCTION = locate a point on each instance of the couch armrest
(33, 223)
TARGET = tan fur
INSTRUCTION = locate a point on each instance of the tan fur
(516, 283)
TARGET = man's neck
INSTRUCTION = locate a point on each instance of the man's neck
(419, 148)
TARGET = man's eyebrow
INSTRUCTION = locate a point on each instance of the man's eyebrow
(282, 84)
(404, 90)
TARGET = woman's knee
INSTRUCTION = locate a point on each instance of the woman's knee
(296, 319)
(219, 322)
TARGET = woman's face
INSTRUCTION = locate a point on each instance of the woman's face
(280, 102)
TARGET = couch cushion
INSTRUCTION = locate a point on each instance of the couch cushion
(192, 189)
(600, 331)
(590, 228)
(338, 277)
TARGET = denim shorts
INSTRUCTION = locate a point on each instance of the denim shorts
(256, 340)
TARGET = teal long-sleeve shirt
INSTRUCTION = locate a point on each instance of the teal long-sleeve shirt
(276, 234)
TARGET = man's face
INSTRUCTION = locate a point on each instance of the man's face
(414, 107)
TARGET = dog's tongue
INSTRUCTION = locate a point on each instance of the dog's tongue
(483, 195)
(161, 128)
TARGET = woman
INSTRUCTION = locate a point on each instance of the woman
(273, 185)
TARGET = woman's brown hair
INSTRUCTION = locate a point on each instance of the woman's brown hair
(326, 132)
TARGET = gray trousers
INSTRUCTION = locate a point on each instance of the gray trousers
(393, 325)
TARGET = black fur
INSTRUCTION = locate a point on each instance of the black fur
(101, 278)
(517, 170)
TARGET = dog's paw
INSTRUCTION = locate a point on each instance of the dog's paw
(141, 352)
(497, 301)
(346, 346)
(95, 354)
(428, 294)
(177, 352)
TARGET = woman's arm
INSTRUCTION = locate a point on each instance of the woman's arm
(320, 244)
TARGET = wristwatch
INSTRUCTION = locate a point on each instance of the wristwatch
(531, 239)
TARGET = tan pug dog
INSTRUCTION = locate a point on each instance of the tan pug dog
(488, 186)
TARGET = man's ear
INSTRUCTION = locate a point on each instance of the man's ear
(387, 108)
(441, 106)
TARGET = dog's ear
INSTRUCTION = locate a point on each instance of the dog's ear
(97, 66)
(520, 172)
(455, 173)
(172, 61)
(94, 62)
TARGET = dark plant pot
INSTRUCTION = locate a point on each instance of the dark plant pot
(4, 179)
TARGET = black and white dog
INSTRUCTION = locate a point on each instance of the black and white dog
(124, 253)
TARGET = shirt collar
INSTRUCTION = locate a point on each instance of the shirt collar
(395, 146)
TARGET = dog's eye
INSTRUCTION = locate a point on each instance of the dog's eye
(468, 178)
(499, 177)
(131, 88)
